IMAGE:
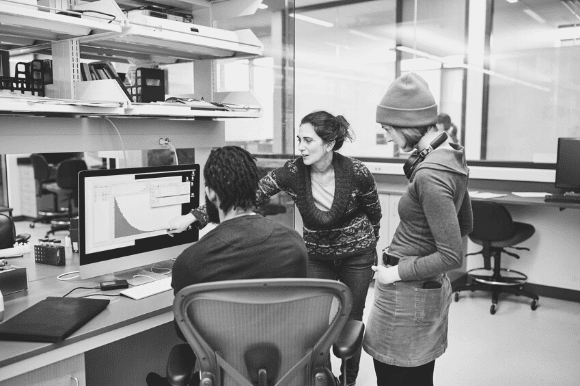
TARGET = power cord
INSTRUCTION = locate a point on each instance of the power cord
(62, 275)
(120, 138)
(167, 141)
(74, 289)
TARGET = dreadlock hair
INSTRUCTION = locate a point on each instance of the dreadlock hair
(232, 173)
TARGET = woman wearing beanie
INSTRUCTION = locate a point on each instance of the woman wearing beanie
(339, 204)
(407, 326)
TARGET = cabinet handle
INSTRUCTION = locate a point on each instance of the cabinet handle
(76, 380)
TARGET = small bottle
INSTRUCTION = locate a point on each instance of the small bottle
(1, 307)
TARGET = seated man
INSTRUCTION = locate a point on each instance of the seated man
(244, 245)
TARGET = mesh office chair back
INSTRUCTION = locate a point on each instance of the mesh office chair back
(285, 326)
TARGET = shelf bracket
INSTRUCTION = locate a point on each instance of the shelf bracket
(66, 68)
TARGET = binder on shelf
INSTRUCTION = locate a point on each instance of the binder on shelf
(101, 71)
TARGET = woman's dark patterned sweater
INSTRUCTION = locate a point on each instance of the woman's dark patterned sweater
(349, 228)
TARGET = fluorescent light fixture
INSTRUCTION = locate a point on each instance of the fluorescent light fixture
(512, 1)
(445, 60)
(568, 32)
(364, 35)
(262, 6)
(534, 16)
(312, 20)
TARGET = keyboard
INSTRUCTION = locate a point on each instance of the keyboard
(148, 289)
(564, 198)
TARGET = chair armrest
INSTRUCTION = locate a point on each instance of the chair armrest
(349, 340)
(180, 365)
(22, 238)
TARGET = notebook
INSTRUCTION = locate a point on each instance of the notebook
(52, 319)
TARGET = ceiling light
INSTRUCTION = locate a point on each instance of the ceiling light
(512, 1)
(445, 60)
(568, 32)
(262, 6)
(534, 16)
(312, 20)
(364, 35)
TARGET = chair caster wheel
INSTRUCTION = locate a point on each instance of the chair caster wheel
(456, 296)
(493, 309)
(534, 305)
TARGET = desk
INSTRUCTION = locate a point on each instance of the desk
(121, 320)
(553, 262)
(511, 199)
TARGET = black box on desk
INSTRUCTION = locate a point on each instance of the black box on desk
(49, 254)
(74, 234)
(149, 85)
(13, 279)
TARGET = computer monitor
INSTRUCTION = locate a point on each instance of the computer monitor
(124, 213)
(568, 165)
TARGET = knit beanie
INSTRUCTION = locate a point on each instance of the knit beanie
(407, 103)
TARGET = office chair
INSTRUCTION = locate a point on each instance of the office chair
(8, 235)
(263, 332)
(44, 175)
(67, 182)
(494, 229)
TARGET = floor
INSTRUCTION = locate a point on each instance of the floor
(516, 346)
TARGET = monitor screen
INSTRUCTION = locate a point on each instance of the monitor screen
(124, 216)
(568, 164)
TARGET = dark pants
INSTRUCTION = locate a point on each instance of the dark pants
(356, 273)
(404, 376)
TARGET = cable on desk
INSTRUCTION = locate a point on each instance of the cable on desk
(169, 270)
(121, 138)
(150, 277)
(62, 275)
(86, 296)
(74, 289)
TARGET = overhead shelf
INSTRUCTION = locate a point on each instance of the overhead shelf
(40, 25)
(168, 45)
(74, 108)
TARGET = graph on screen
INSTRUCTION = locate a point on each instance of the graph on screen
(124, 216)
(125, 209)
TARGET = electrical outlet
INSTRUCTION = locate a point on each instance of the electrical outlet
(384, 168)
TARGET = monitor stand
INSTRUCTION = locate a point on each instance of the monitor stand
(145, 274)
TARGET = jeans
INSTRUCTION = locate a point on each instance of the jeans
(356, 273)
(404, 376)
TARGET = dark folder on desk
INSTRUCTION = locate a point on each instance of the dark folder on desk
(51, 320)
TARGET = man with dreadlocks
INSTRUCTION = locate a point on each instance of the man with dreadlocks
(244, 245)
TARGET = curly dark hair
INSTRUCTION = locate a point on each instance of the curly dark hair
(232, 173)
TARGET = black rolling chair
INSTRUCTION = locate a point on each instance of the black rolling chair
(67, 182)
(8, 236)
(45, 175)
(494, 229)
